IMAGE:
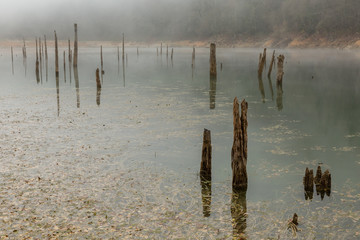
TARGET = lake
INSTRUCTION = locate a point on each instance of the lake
(123, 162)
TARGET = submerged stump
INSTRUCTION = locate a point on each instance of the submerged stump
(280, 68)
(212, 59)
(205, 167)
(239, 148)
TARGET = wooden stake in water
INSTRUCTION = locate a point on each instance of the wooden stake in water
(98, 87)
(102, 63)
(239, 148)
(212, 59)
(64, 68)
(75, 47)
(280, 67)
(12, 60)
(56, 56)
(41, 61)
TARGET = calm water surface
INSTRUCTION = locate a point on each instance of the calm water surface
(123, 162)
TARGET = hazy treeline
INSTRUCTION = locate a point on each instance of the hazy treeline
(144, 20)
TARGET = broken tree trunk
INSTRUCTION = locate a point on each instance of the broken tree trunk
(271, 63)
(280, 67)
(75, 62)
(262, 62)
(205, 167)
(56, 57)
(212, 59)
(308, 181)
(239, 148)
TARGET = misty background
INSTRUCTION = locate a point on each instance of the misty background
(147, 20)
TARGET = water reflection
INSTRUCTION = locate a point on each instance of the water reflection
(271, 88)
(212, 91)
(238, 214)
(206, 195)
(261, 88)
(76, 76)
(98, 94)
(279, 95)
(58, 94)
(123, 66)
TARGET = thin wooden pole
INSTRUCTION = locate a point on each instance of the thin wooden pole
(123, 46)
(212, 59)
(56, 57)
(75, 47)
(64, 68)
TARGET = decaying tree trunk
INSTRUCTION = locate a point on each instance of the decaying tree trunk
(262, 62)
(212, 59)
(280, 68)
(75, 62)
(239, 148)
(308, 181)
(271, 63)
(205, 167)
(56, 57)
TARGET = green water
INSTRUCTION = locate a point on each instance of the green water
(124, 162)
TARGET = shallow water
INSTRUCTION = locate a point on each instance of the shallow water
(124, 162)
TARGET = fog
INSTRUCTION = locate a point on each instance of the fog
(146, 20)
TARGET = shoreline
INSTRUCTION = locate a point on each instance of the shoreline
(291, 42)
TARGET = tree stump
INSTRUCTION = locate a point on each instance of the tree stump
(239, 148)
(308, 181)
(280, 68)
(262, 62)
(205, 167)
(212, 59)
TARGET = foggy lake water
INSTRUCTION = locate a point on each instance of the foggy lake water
(123, 162)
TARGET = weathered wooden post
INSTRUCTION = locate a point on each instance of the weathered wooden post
(56, 57)
(64, 68)
(12, 60)
(280, 67)
(75, 62)
(239, 148)
(213, 59)
(205, 172)
(172, 54)
(262, 60)
(308, 181)
(205, 167)
(271, 64)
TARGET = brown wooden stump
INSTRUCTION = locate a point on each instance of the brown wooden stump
(262, 62)
(271, 63)
(239, 148)
(212, 59)
(295, 219)
(75, 62)
(308, 182)
(280, 68)
(205, 167)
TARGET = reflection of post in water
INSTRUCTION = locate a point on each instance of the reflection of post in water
(24, 56)
(308, 182)
(271, 88)
(261, 88)
(37, 63)
(279, 95)
(76, 76)
(70, 59)
(58, 94)
(205, 172)
(123, 67)
(323, 183)
(64, 68)
(98, 87)
(40, 56)
(46, 59)
(238, 214)
(212, 91)
(118, 57)
(172, 57)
